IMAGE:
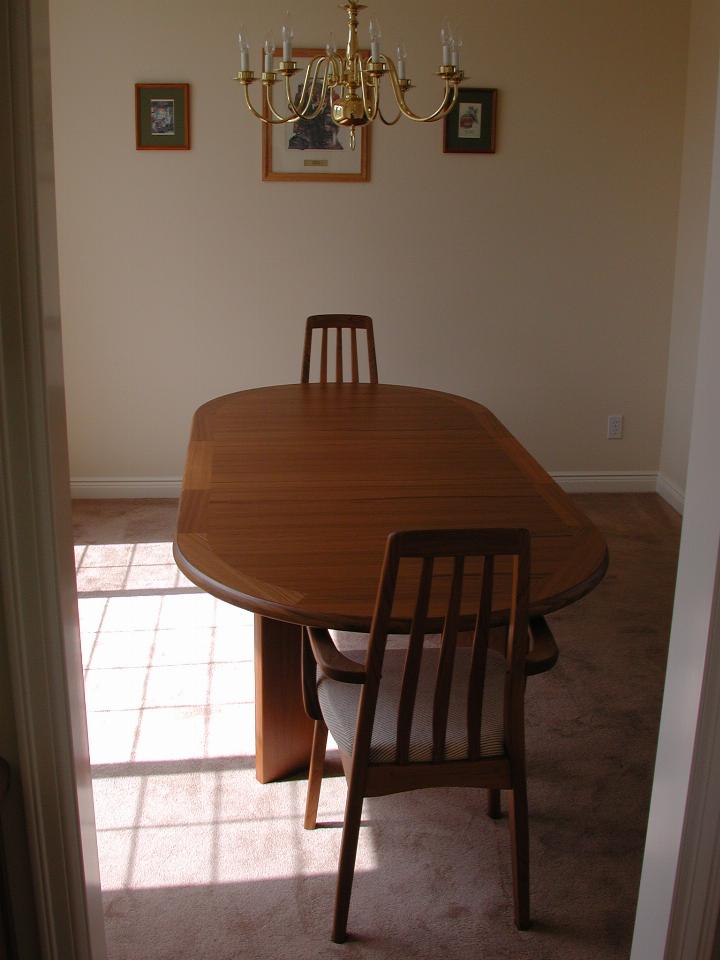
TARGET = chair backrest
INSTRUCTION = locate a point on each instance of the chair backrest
(463, 582)
(339, 322)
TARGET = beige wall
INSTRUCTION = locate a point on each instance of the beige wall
(692, 238)
(538, 280)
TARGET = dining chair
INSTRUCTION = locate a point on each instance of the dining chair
(440, 715)
(339, 322)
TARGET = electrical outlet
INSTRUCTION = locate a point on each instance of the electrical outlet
(615, 427)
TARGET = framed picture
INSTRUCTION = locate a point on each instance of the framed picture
(470, 125)
(313, 150)
(162, 116)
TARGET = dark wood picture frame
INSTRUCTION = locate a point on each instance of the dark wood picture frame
(470, 125)
(271, 135)
(162, 116)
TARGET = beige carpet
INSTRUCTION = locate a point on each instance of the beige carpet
(200, 862)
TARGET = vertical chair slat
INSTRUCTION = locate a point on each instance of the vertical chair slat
(372, 359)
(307, 349)
(412, 663)
(338, 356)
(339, 322)
(354, 349)
(447, 661)
(476, 684)
(517, 650)
(323, 356)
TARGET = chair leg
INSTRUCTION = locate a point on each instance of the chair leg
(519, 840)
(346, 869)
(494, 808)
(315, 773)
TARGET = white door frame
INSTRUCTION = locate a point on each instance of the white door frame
(679, 899)
(50, 815)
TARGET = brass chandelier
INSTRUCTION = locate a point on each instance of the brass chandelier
(349, 83)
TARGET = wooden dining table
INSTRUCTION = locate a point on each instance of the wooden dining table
(290, 492)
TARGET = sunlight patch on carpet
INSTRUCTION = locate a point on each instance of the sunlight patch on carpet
(169, 687)
(168, 668)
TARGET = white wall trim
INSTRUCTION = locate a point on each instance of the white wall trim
(574, 481)
(122, 488)
(606, 481)
(669, 492)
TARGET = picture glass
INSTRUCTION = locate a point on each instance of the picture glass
(311, 149)
(320, 133)
(469, 121)
(162, 118)
(314, 146)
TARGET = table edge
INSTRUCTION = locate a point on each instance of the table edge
(288, 614)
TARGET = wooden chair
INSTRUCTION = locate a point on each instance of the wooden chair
(443, 716)
(339, 322)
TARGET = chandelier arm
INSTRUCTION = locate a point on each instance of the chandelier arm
(371, 112)
(451, 90)
(442, 111)
(305, 95)
(259, 116)
(337, 65)
(273, 111)
(389, 123)
(321, 101)
(288, 94)
(455, 97)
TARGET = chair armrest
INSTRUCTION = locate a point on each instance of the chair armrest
(544, 653)
(334, 664)
(309, 679)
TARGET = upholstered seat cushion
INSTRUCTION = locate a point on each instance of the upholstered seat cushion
(339, 703)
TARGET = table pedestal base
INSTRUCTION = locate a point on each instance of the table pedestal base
(283, 731)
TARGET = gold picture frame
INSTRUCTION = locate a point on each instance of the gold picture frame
(313, 151)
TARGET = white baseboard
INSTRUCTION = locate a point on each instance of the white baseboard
(124, 488)
(578, 481)
(669, 492)
(120, 488)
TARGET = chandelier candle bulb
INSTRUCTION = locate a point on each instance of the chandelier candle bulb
(269, 47)
(455, 52)
(375, 37)
(244, 50)
(446, 39)
(287, 39)
(401, 57)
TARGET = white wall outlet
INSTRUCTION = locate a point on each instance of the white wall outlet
(615, 427)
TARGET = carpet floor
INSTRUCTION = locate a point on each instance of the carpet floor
(200, 862)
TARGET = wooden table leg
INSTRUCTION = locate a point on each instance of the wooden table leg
(283, 731)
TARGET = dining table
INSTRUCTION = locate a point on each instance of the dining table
(290, 492)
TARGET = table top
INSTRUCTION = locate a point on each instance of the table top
(290, 492)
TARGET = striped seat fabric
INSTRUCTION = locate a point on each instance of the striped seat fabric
(339, 703)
